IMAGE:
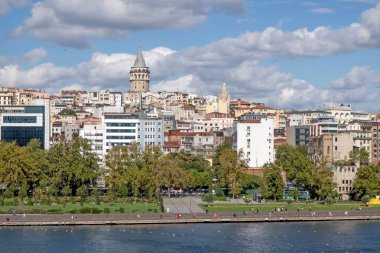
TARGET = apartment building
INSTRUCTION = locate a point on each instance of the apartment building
(256, 141)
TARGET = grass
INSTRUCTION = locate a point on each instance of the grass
(120, 206)
(293, 207)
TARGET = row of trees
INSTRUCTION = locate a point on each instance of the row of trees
(293, 165)
(64, 168)
(69, 168)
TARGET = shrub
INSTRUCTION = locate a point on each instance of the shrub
(55, 210)
(209, 198)
(121, 210)
(106, 210)
(220, 198)
(96, 210)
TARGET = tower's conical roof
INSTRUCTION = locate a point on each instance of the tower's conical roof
(139, 62)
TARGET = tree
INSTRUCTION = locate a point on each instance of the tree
(272, 184)
(17, 165)
(172, 175)
(124, 169)
(367, 181)
(297, 166)
(323, 183)
(231, 171)
(71, 164)
(361, 156)
(67, 112)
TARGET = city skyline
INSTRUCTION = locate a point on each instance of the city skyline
(283, 53)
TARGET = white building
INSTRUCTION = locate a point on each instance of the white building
(151, 132)
(120, 129)
(255, 139)
(93, 132)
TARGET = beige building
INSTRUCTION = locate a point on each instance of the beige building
(334, 147)
(344, 178)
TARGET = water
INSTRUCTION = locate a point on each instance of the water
(352, 236)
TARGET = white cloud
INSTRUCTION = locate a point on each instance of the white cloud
(6, 5)
(357, 77)
(42, 76)
(181, 84)
(35, 55)
(322, 10)
(74, 23)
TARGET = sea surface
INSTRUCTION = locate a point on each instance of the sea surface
(346, 236)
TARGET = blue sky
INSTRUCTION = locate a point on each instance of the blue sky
(291, 54)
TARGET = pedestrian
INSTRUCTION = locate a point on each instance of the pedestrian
(23, 215)
(14, 212)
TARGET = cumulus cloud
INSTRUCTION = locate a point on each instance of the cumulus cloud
(42, 76)
(357, 77)
(6, 5)
(181, 84)
(73, 23)
(35, 55)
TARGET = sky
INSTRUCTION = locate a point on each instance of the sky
(284, 53)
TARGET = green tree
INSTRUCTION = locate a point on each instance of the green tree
(171, 175)
(71, 164)
(361, 156)
(23, 191)
(231, 171)
(367, 181)
(17, 165)
(68, 112)
(272, 184)
(297, 166)
(323, 183)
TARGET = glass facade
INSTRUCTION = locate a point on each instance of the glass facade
(20, 119)
(22, 135)
(121, 124)
(121, 137)
(121, 130)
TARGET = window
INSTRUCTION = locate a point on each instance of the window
(20, 119)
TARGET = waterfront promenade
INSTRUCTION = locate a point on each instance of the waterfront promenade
(179, 218)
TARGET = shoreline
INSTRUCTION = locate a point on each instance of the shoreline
(158, 219)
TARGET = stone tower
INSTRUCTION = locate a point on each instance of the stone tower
(224, 100)
(139, 75)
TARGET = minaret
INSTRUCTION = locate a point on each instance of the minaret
(224, 100)
(139, 75)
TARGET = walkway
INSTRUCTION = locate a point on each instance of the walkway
(183, 205)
